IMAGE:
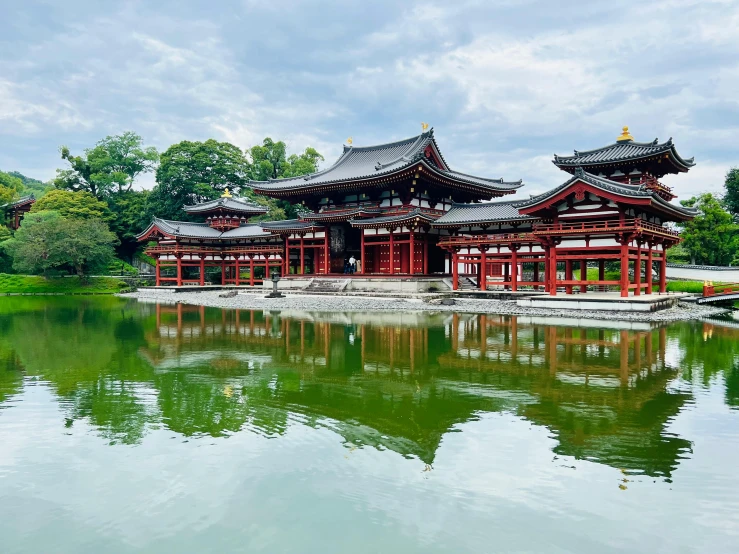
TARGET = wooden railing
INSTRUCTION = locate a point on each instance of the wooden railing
(485, 239)
(183, 249)
(709, 289)
(601, 226)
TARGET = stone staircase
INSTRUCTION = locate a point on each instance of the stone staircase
(466, 283)
(326, 286)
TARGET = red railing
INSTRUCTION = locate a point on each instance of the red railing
(181, 249)
(709, 289)
(601, 226)
(485, 239)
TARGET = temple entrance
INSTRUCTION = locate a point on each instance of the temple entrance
(344, 242)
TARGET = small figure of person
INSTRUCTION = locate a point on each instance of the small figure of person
(352, 264)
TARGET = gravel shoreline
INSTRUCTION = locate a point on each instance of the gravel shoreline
(246, 301)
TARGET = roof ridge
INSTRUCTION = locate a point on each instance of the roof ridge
(654, 143)
(413, 139)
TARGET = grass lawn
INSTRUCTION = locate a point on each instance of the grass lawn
(33, 284)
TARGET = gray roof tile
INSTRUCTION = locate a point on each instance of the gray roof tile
(394, 218)
(231, 203)
(372, 161)
(185, 229)
(485, 212)
(621, 152)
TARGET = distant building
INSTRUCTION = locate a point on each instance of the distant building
(17, 209)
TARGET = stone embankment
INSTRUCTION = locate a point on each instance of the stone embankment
(432, 303)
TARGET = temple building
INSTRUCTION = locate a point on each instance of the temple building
(400, 211)
(17, 209)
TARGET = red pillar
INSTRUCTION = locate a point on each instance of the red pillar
(158, 272)
(411, 251)
(650, 284)
(624, 269)
(251, 271)
(455, 271)
(547, 282)
(637, 270)
(483, 275)
(514, 270)
(553, 271)
(663, 271)
(392, 254)
(202, 271)
(361, 254)
(302, 254)
(426, 253)
(287, 256)
(179, 270)
(536, 273)
(223, 271)
(327, 252)
(237, 270)
(583, 275)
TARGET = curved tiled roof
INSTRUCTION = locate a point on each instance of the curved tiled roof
(416, 214)
(22, 200)
(333, 214)
(635, 191)
(623, 151)
(485, 212)
(186, 229)
(359, 163)
(230, 203)
(289, 225)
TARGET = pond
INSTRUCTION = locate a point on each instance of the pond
(134, 427)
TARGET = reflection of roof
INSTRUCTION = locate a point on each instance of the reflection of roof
(606, 185)
(414, 215)
(624, 151)
(30, 199)
(185, 229)
(486, 212)
(362, 163)
(231, 204)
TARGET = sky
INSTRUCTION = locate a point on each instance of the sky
(505, 84)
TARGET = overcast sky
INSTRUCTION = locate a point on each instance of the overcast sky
(505, 84)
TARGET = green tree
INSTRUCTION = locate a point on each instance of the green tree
(10, 187)
(192, 172)
(76, 205)
(46, 240)
(731, 194)
(270, 161)
(31, 185)
(6, 263)
(131, 214)
(712, 237)
(112, 165)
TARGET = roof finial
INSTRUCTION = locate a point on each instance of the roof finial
(226, 194)
(625, 136)
(349, 141)
(424, 126)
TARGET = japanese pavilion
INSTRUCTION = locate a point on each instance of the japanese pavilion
(402, 212)
(17, 209)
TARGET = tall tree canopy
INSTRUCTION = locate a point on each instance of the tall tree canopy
(192, 172)
(712, 238)
(46, 240)
(731, 194)
(78, 205)
(31, 185)
(111, 166)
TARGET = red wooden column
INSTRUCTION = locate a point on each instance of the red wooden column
(663, 271)
(302, 254)
(514, 269)
(361, 256)
(286, 261)
(483, 275)
(202, 271)
(251, 270)
(411, 251)
(536, 273)
(237, 270)
(624, 268)
(392, 254)
(547, 282)
(650, 284)
(455, 271)
(553, 271)
(637, 269)
(158, 273)
(601, 270)
(583, 275)
(327, 251)
(223, 271)
(179, 270)
(426, 253)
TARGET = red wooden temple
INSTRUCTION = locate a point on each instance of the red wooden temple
(400, 211)
(17, 209)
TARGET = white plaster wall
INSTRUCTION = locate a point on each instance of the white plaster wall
(693, 273)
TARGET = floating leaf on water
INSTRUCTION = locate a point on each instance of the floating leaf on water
(623, 487)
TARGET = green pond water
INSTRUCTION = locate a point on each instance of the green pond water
(135, 427)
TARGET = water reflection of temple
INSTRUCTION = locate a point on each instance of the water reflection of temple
(403, 380)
